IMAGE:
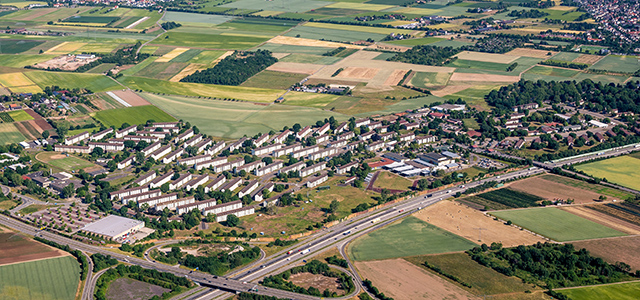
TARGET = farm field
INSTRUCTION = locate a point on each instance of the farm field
(54, 278)
(464, 221)
(596, 188)
(409, 237)
(17, 46)
(183, 17)
(132, 115)
(613, 63)
(621, 291)
(511, 198)
(20, 115)
(414, 42)
(484, 281)
(333, 34)
(234, 119)
(603, 218)
(293, 6)
(557, 224)
(549, 71)
(428, 79)
(310, 59)
(10, 134)
(623, 170)
(626, 249)
(92, 82)
(15, 249)
(273, 80)
(63, 162)
(550, 190)
(400, 279)
(309, 99)
(21, 60)
(209, 41)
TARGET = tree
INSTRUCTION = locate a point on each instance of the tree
(68, 191)
(233, 220)
(333, 207)
(45, 134)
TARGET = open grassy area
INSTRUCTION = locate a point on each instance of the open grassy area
(20, 115)
(622, 291)
(17, 46)
(92, 82)
(484, 281)
(273, 80)
(289, 6)
(409, 237)
(388, 180)
(63, 162)
(557, 224)
(9, 134)
(614, 63)
(132, 115)
(550, 71)
(482, 65)
(430, 79)
(622, 170)
(222, 41)
(309, 99)
(334, 34)
(415, 42)
(55, 279)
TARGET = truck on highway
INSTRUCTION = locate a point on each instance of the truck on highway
(346, 232)
(289, 252)
(305, 251)
(376, 220)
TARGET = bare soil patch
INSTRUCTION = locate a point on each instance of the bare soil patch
(626, 249)
(465, 221)
(130, 97)
(483, 77)
(300, 68)
(604, 219)
(588, 59)
(395, 77)
(450, 89)
(127, 288)
(358, 73)
(287, 40)
(65, 62)
(531, 52)
(319, 281)
(552, 190)
(401, 279)
(15, 249)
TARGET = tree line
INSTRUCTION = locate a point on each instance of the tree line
(234, 69)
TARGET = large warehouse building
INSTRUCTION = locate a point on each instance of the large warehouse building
(113, 227)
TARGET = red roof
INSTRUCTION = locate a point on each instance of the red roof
(472, 133)
(379, 164)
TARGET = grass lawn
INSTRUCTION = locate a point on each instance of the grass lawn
(482, 65)
(614, 63)
(9, 134)
(55, 278)
(17, 46)
(622, 291)
(281, 48)
(409, 237)
(68, 163)
(310, 59)
(484, 281)
(132, 115)
(273, 80)
(557, 224)
(622, 170)
(33, 208)
(7, 204)
(388, 180)
(345, 34)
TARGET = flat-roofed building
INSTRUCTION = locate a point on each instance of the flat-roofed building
(173, 156)
(122, 133)
(109, 147)
(127, 192)
(323, 129)
(192, 141)
(250, 166)
(266, 150)
(240, 212)
(164, 150)
(200, 205)
(317, 180)
(113, 227)
(196, 182)
(141, 196)
(126, 162)
(190, 161)
(280, 138)
(143, 180)
(323, 153)
(304, 132)
(152, 202)
(100, 135)
(261, 140)
(72, 149)
(376, 146)
(173, 204)
(151, 148)
(231, 185)
(344, 169)
(223, 207)
(305, 151)
(214, 149)
(184, 136)
(202, 145)
(76, 138)
(292, 168)
(229, 166)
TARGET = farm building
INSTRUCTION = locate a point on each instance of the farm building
(114, 227)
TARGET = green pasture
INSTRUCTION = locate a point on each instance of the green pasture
(561, 15)
(20, 115)
(95, 83)
(409, 237)
(536, 77)
(597, 188)
(206, 57)
(273, 80)
(137, 68)
(620, 291)
(257, 25)
(403, 105)
(566, 56)
(161, 70)
(330, 34)
(310, 59)
(17, 46)
(9, 134)
(98, 48)
(557, 224)
(296, 6)
(550, 71)
(430, 79)
(132, 115)
(71, 163)
(201, 89)
(222, 41)
(90, 19)
(232, 119)
(384, 56)
(451, 43)
(181, 17)
(622, 170)
(303, 16)
(415, 42)
(50, 279)
(481, 65)
(186, 56)
(19, 61)
(280, 48)
(101, 68)
(309, 99)
(614, 63)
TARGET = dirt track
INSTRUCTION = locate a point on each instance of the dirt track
(465, 221)
(400, 279)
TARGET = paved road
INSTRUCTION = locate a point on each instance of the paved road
(89, 283)
(26, 200)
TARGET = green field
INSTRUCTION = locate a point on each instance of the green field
(132, 115)
(50, 279)
(200, 89)
(622, 170)
(226, 41)
(481, 65)
(273, 80)
(601, 78)
(289, 6)
(566, 56)
(181, 17)
(549, 71)
(622, 291)
(336, 35)
(309, 99)
(19, 61)
(206, 57)
(429, 79)
(90, 19)
(280, 48)
(17, 46)
(561, 15)
(557, 224)
(187, 56)
(310, 59)
(409, 237)
(161, 70)
(70, 163)
(20, 115)
(101, 68)
(231, 119)
(92, 82)
(614, 63)
(9, 134)
(415, 42)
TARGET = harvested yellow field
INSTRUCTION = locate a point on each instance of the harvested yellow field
(483, 77)
(65, 48)
(266, 13)
(588, 59)
(26, 89)
(188, 70)
(359, 6)
(358, 73)
(299, 68)
(395, 77)
(487, 57)
(531, 53)
(450, 89)
(287, 40)
(379, 30)
(15, 79)
(172, 54)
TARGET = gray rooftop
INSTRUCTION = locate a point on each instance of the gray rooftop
(111, 225)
